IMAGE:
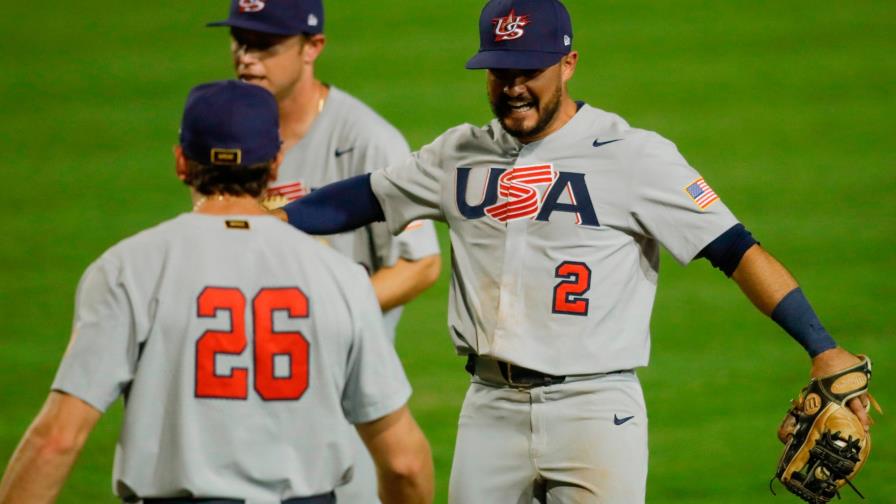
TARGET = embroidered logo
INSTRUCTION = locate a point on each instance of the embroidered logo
(291, 192)
(598, 143)
(536, 191)
(509, 27)
(312, 20)
(620, 421)
(251, 5)
(701, 193)
(226, 156)
(341, 152)
(518, 187)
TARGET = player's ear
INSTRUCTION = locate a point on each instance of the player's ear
(275, 166)
(568, 65)
(312, 47)
(180, 163)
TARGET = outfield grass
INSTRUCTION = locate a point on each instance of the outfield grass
(787, 108)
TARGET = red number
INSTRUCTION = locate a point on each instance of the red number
(267, 345)
(568, 294)
(211, 343)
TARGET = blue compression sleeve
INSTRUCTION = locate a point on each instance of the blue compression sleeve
(726, 251)
(337, 207)
(796, 316)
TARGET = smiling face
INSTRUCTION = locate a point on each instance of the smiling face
(275, 62)
(527, 102)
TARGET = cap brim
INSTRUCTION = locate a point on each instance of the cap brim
(521, 60)
(250, 24)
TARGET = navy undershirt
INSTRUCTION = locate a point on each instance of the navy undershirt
(337, 207)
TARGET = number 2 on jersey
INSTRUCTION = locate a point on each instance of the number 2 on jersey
(570, 291)
(267, 345)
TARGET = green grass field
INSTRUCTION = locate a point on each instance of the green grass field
(787, 108)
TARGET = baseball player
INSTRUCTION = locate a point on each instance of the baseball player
(237, 343)
(557, 210)
(328, 136)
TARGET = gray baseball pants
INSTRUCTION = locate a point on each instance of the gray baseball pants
(567, 443)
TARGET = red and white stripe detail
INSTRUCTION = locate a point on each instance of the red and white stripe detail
(517, 186)
(292, 191)
(707, 197)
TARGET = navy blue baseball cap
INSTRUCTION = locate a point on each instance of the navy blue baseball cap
(230, 123)
(522, 34)
(278, 17)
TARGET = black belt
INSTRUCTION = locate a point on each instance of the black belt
(518, 376)
(329, 498)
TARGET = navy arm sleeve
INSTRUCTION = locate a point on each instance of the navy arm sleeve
(337, 207)
(796, 316)
(726, 251)
(793, 313)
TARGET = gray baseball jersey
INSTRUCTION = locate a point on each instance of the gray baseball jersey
(555, 242)
(238, 344)
(346, 139)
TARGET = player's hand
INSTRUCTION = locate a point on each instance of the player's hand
(280, 214)
(834, 360)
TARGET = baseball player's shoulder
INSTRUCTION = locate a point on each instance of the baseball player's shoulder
(139, 252)
(358, 122)
(458, 143)
(147, 241)
(466, 138)
(298, 245)
(632, 143)
(609, 127)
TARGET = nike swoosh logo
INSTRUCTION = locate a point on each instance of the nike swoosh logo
(340, 152)
(598, 143)
(620, 421)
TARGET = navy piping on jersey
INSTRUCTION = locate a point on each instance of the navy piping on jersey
(726, 251)
(337, 207)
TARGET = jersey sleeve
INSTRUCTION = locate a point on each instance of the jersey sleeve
(672, 203)
(418, 240)
(411, 190)
(376, 384)
(101, 358)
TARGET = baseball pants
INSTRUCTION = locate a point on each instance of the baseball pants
(581, 441)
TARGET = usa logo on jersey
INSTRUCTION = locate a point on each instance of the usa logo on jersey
(291, 191)
(251, 5)
(526, 192)
(519, 187)
(509, 27)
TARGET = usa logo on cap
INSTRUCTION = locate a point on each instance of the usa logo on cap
(251, 5)
(522, 34)
(509, 27)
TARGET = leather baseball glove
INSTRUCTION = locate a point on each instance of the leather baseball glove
(826, 442)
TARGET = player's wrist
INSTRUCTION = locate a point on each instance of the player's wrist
(832, 360)
(795, 315)
(280, 214)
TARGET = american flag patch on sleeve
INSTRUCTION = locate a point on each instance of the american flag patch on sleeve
(701, 193)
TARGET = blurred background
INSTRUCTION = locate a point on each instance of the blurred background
(787, 109)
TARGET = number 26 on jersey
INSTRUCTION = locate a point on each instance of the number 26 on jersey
(266, 345)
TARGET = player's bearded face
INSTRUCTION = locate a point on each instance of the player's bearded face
(525, 101)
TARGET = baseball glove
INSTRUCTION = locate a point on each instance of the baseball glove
(826, 442)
